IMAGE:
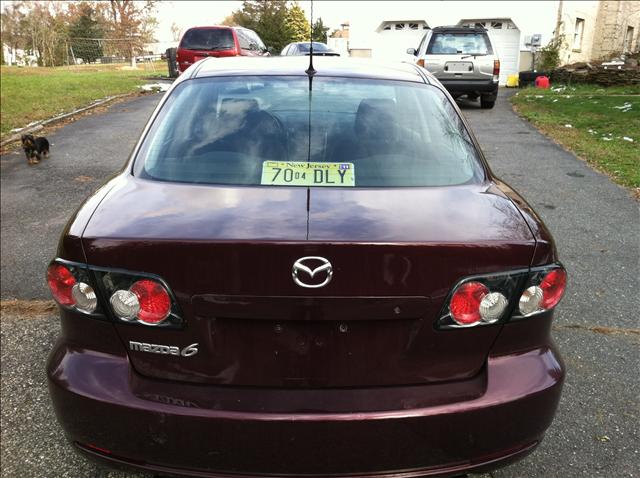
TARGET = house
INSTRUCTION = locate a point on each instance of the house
(339, 40)
(595, 31)
(590, 30)
(18, 57)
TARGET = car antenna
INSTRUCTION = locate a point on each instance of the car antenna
(311, 70)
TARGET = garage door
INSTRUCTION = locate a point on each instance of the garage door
(506, 38)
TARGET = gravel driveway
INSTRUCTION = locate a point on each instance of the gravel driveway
(595, 223)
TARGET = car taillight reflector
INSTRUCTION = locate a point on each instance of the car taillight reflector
(553, 286)
(492, 306)
(84, 297)
(465, 303)
(155, 303)
(530, 300)
(125, 304)
(61, 281)
(496, 67)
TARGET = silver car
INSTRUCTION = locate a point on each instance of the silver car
(304, 48)
(463, 59)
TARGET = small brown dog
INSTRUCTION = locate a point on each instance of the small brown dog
(35, 148)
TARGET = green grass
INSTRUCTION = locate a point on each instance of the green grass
(598, 125)
(33, 94)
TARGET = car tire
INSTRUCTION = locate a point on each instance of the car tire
(486, 103)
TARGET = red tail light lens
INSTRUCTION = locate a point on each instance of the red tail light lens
(496, 67)
(61, 282)
(154, 300)
(465, 303)
(553, 286)
(420, 62)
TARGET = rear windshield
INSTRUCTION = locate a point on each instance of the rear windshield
(463, 43)
(306, 47)
(207, 39)
(274, 131)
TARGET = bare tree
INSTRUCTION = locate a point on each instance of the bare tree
(176, 31)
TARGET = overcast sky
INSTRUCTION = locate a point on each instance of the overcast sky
(190, 13)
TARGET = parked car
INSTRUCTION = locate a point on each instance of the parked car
(463, 59)
(306, 275)
(304, 48)
(217, 41)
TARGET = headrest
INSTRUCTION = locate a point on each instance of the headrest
(376, 119)
(238, 107)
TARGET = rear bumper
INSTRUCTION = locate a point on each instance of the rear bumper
(187, 429)
(471, 86)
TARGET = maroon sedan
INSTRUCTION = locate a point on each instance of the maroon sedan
(306, 272)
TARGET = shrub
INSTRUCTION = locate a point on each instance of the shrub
(550, 54)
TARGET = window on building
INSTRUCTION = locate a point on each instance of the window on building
(413, 26)
(387, 27)
(577, 33)
(496, 25)
(399, 26)
(628, 39)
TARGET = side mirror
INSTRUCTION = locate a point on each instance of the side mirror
(412, 51)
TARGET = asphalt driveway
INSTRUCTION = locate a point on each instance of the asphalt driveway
(596, 225)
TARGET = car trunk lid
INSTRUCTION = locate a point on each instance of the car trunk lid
(227, 253)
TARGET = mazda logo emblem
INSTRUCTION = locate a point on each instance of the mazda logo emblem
(302, 268)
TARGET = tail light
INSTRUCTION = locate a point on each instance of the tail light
(146, 301)
(544, 291)
(139, 298)
(484, 300)
(61, 281)
(128, 297)
(496, 67)
(69, 285)
(420, 62)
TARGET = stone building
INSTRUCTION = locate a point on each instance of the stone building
(617, 28)
(597, 30)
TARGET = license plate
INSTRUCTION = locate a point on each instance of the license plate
(302, 173)
(460, 66)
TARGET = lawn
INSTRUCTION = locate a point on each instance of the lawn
(32, 94)
(601, 125)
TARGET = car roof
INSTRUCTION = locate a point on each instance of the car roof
(202, 27)
(458, 28)
(297, 66)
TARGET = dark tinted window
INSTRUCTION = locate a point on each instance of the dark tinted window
(305, 47)
(255, 40)
(249, 40)
(463, 43)
(207, 39)
(243, 39)
(271, 131)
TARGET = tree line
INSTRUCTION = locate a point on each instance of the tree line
(278, 22)
(49, 30)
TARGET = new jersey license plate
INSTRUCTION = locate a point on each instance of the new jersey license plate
(302, 173)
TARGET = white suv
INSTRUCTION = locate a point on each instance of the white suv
(463, 59)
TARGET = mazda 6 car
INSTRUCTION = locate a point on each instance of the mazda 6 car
(306, 270)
